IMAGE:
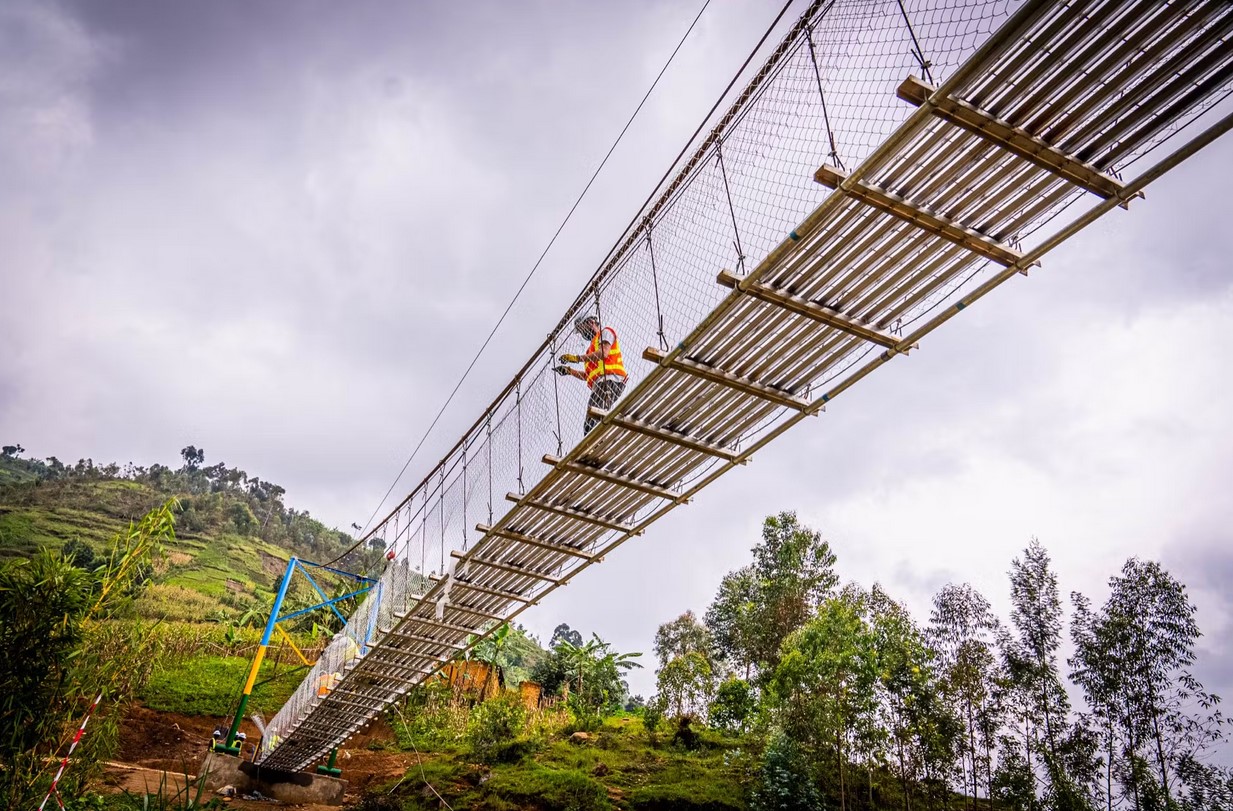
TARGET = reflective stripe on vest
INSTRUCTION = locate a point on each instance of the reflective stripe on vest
(612, 365)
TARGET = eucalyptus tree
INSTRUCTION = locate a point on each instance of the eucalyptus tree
(962, 627)
(916, 721)
(1034, 685)
(1132, 660)
(730, 622)
(823, 684)
(757, 607)
(686, 683)
(681, 636)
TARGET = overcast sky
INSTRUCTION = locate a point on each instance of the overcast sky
(280, 231)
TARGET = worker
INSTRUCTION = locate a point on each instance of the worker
(603, 369)
(327, 682)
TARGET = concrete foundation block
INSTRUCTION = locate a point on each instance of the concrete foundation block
(289, 787)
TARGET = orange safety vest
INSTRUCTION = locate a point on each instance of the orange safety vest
(611, 365)
(327, 682)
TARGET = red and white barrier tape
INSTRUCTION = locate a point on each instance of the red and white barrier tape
(64, 763)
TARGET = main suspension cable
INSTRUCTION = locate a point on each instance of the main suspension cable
(522, 286)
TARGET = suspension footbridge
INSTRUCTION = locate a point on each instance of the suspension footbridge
(890, 164)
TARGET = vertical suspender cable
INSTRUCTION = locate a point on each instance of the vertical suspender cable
(740, 252)
(826, 118)
(556, 390)
(659, 313)
(424, 537)
(916, 49)
(488, 442)
(518, 416)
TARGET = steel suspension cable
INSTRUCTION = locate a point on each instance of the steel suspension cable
(599, 275)
(525, 281)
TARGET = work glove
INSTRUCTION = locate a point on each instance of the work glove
(561, 370)
(567, 358)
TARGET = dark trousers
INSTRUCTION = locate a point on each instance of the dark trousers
(606, 392)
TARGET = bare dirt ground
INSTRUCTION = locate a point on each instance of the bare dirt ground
(159, 748)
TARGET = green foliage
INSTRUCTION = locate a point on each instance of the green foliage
(80, 554)
(687, 795)
(1032, 686)
(589, 673)
(685, 683)
(785, 782)
(549, 789)
(208, 685)
(921, 731)
(962, 629)
(429, 719)
(1208, 787)
(733, 705)
(759, 606)
(216, 499)
(495, 728)
(1132, 660)
(684, 635)
(563, 633)
(514, 651)
(62, 650)
(43, 604)
(823, 686)
(652, 717)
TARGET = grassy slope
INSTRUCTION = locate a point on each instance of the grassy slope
(202, 576)
(616, 771)
(209, 684)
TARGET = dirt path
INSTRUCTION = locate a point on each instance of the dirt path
(119, 777)
(160, 748)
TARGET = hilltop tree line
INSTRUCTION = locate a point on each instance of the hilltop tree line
(213, 498)
(859, 705)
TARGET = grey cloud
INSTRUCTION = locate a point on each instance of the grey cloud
(280, 231)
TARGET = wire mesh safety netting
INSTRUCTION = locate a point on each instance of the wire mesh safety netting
(825, 96)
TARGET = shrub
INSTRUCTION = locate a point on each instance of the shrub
(652, 715)
(685, 735)
(734, 702)
(494, 725)
(583, 717)
(785, 783)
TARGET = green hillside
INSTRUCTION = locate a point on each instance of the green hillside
(794, 690)
(234, 534)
